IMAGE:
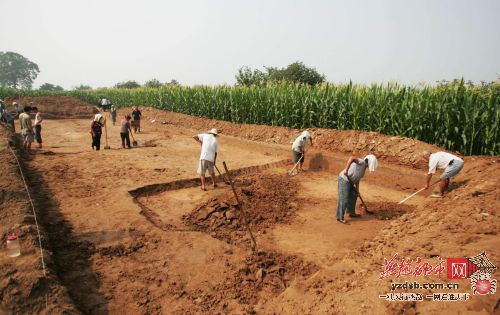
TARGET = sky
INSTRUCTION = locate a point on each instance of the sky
(103, 42)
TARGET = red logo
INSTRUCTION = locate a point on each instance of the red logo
(457, 268)
(483, 286)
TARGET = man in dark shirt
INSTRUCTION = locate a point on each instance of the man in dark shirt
(136, 114)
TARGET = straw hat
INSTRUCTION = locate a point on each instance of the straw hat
(213, 131)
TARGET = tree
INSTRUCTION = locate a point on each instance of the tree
(153, 83)
(17, 71)
(296, 72)
(127, 85)
(82, 87)
(172, 83)
(50, 87)
(247, 76)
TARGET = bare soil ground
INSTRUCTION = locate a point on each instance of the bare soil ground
(130, 230)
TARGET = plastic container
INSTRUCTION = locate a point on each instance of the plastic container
(13, 248)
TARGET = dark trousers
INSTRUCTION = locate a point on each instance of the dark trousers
(38, 133)
(347, 198)
(96, 141)
(125, 138)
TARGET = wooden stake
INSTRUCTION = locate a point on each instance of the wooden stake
(243, 214)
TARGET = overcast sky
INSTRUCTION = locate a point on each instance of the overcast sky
(100, 43)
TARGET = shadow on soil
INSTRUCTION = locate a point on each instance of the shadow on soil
(71, 254)
(456, 184)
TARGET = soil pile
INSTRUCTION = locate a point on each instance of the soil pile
(55, 106)
(260, 276)
(388, 210)
(266, 200)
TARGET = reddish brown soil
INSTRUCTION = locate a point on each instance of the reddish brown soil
(60, 107)
(119, 242)
(265, 201)
(402, 150)
(24, 287)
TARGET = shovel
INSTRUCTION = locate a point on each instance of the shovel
(359, 195)
(106, 147)
(134, 143)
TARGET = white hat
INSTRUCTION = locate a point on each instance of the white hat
(372, 162)
(98, 117)
(14, 103)
(213, 131)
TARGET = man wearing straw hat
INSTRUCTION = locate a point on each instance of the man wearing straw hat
(349, 179)
(299, 147)
(208, 155)
(451, 164)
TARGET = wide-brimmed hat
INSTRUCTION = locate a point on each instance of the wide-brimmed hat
(14, 103)
(213, 131)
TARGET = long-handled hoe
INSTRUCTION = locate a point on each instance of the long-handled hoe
(359, 195)
(422, 189)
(134, 143)
(291, 172)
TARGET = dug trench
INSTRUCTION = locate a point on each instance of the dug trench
(269, 200)
(71, 254)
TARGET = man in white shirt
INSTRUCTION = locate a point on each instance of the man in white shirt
(38, 126)
(208, 155)
(451, 164)
(299, 147)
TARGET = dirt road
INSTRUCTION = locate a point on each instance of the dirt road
(112, 256)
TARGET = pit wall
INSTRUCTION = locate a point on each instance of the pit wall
(401, 150)
(24, 289)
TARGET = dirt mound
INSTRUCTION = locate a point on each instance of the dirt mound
(266, 200)
(388, 210)
(55, 106)
(271, 272)
(318, 162)
(264, 274)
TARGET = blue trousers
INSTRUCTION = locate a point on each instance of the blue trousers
(347, 198)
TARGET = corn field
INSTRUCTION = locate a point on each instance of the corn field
(455, 116)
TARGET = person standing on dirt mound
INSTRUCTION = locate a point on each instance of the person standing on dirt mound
(38, 127)
(208, 156)
(349, 179)
(6, 116)
(451, 164)
(96, 131)
(136, 114)
(299, 147)
(26, 128)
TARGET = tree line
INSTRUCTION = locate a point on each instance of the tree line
(18, 72)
